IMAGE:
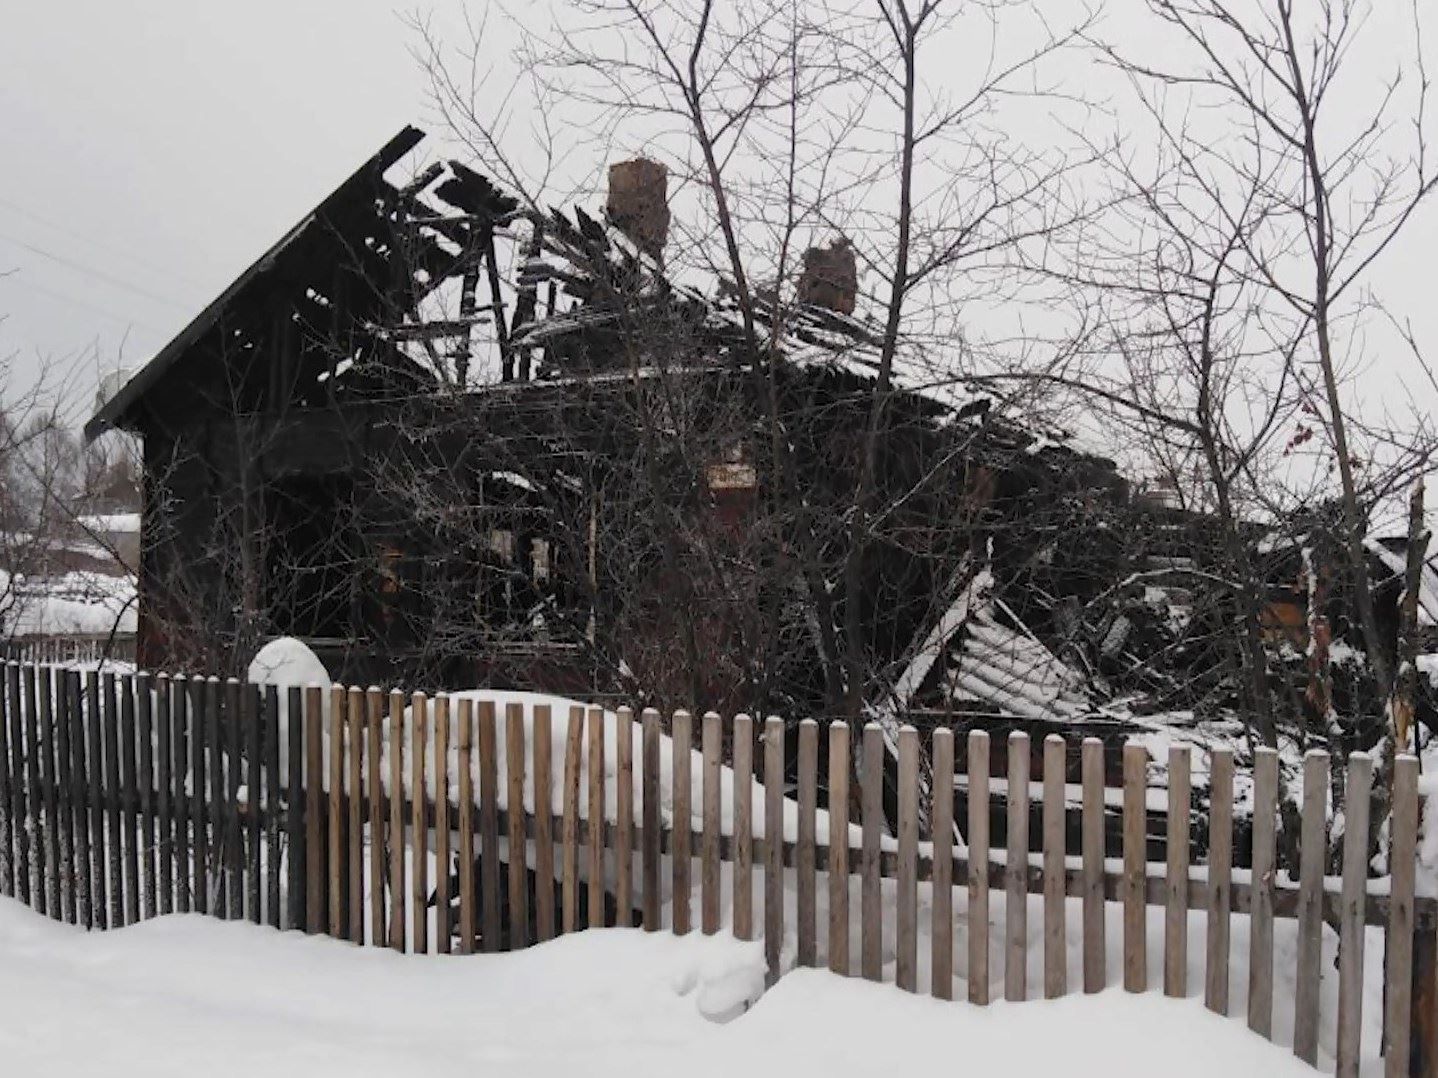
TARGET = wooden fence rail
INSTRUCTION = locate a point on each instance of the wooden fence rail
(395, 821)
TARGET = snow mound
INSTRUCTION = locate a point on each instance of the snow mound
(287, 662)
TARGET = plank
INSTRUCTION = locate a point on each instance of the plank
(338, 817)
(710, 829)
(296, 852)
(54, 683)
(806, 909)
(840, 767)
(871, 809)
(19, 788)
(164, 800)
(1351, 932)
(251, 717)
(464, 822)
(84, 883)
(1175, 915)
(1016, 892)
(271, 818)
(569, 823)
(742, 879)
(515, 752)
(1095, 975)
(773, 843)
(232, 734)
(543, 823)
(443, 898)
(1220, 870)
(1398, 952)
(145, 781)
(491, 917)
(906, 891)
(419, 824)
(315, 804)
(375, 814)
(681, 733)
(50, 786)
(1260, 940)
(1135, 854)
(598, 813)
(941, 962)
(8, 795)
(624, 818)
(1056, 974)
(183, 775)
(33, 832)
(491, 925)
(114, 843)
(93, 722)
(978, 767)
(354, 813)
(397, 843)
(651, 859)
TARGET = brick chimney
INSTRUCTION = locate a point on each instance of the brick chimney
(830, 277)
(639, 203)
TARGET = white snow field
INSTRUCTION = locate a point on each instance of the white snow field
(188, 995)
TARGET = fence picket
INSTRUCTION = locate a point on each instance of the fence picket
(1016, 889)
(569, 822)
(1398, 951)
(1175, 917)
(839, 765)
(54, 682)
(871, 808)
(595, 772)
(1312, 853)
(1095, 975)
(251, 717)
(443, 899)
(711, 737)
(941, 962)
(19, 791)
(1056, 976)
(375, 811)
(1135, 854)
(112, 794)
(1351, 913)
(743, 868)
(624, 818)
(181, 775)
(906, 889)
(49, 781)
(514, 746)
(806, 912)
(164, 806)
(91, 722)
(80, 795)
(397, 890)
(651, 857)
(33, 830)
(464, 777)
(338, 817)
(315, 876)
(1220, 868)
(490, 921)
(354, 812)
(1260, 938)
(773, 842)
(233, 727)
(978, 926)
(296, 805)
(145, 778)
(269, 801)
(8, 794)
(681, 734)
(419, 824)
(543, 823)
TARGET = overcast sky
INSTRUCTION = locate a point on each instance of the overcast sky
(153, 148)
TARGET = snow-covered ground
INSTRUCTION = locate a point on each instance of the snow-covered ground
(184, 995)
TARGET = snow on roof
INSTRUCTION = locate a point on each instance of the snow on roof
(1396, 561)
(73, 604)
(111, 523)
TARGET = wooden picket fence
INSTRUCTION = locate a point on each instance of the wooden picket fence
(124, 798)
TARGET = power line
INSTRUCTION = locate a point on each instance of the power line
(126, 319)
(101, 275)
(98, 244)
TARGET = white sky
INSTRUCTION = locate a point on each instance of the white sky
(150, 149)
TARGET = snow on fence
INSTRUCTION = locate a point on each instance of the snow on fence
(339, 811)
